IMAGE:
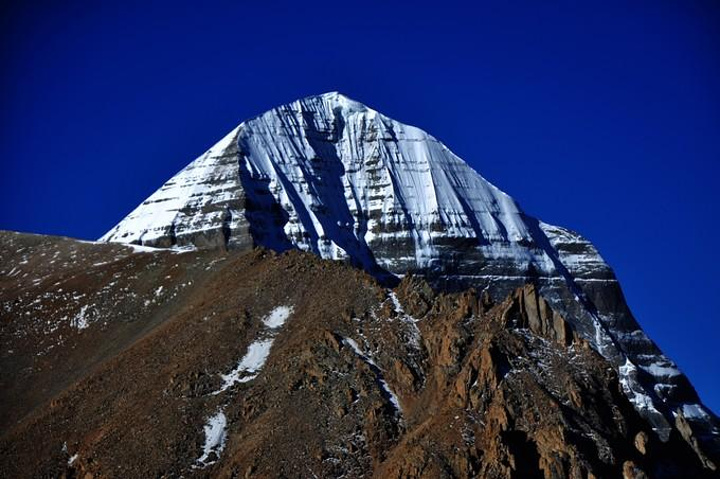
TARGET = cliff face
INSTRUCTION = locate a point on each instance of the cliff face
(331, 176)
(126, 363)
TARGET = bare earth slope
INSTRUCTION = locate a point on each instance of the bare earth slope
(124, 363)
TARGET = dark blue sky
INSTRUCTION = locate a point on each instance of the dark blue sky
(602, 117)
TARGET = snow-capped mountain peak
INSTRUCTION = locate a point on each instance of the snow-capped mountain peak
(329, 175)
(396, 182)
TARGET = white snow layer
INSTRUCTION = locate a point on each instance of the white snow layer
(633, 390)
(257, 353)
(694, 411)
(277, 317)
(215, 435)
(164, 209)
(410, 184)
(81, 320)
(249, 365)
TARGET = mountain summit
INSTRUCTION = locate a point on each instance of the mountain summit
(329, 175)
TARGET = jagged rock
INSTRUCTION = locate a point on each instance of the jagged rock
(416, 295)
(688, 435)
(531, 311)
(631, 471)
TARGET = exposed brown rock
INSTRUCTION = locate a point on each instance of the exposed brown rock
(531, 311)
(502, 390)
(632, 471)
(688, 435)
(641, 442)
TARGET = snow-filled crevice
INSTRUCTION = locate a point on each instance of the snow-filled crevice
(385, 389)
(415, 335)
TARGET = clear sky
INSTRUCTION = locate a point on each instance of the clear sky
(603, 117)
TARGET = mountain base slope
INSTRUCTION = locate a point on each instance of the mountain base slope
(267, 365)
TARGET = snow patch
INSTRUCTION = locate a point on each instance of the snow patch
(415, 335)
(277, 317)
(661, 370)
(257, 353)
(249, 365)
(143, 249)
(634, 391)
(215, 436)
(81, 320)
(354, 346)
(694, 411)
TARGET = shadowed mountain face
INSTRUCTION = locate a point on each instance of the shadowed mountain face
(131, 362)
(331, 176)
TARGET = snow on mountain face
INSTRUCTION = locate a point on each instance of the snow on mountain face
(197, 206)
(341, 180)
(329, 175)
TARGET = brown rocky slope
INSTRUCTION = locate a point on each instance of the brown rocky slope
(118, 363)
